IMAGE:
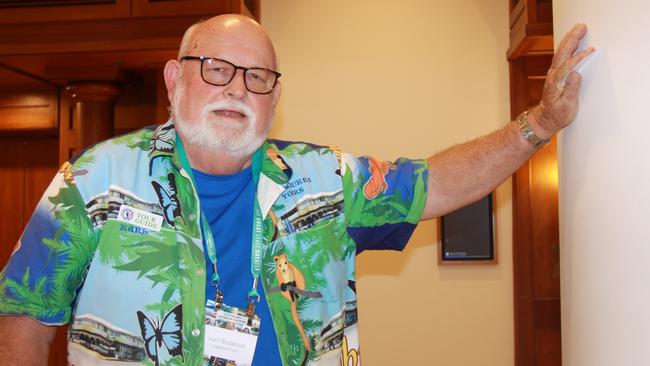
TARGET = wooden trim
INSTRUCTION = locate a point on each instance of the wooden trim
(521, 253)
(530, 42)
(536, 308)
(517, 12)
(67, 135)
(246, 11)
(120, 9)
(531, 11)
(256, 12)
(148, 8)
(29, 75)
(98, 36)
(153, 26)
(531, 29)
(29, 111)
(162, 100)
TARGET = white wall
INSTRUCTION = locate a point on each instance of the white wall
(604, 196)
(406, 78)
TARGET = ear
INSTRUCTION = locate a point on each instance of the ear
(171, 73)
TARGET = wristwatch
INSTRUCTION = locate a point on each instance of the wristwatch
(528, 133)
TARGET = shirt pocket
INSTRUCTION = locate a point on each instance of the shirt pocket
(326, 307)
(316, 258)
(133, 269)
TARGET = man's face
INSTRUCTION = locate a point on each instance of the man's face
(227, 118)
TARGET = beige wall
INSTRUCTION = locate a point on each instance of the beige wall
(406, 78)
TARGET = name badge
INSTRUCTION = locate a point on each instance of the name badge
(230, 336)
(135, 216)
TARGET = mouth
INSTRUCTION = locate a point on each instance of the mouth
(229, 113)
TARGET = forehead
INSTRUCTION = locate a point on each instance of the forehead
(240, 45)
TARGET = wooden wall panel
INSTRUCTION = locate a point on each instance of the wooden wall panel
(59, 349)
(42, 159)
(106, 10)
(27, 166)
(544, 11)
(531, 28)
(137, 105)
(545, 229)
(535, 223)
(157, 8)
(547, 346)
(28, 110)
(12, 183)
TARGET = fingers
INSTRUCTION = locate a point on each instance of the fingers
(574, 60)
(562, 86)
(560, 74)
(569, 44)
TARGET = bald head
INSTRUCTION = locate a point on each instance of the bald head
(229, 30)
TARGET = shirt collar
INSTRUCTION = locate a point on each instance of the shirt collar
(163, 143)
(275, 173)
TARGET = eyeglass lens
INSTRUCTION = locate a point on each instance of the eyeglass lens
(219, 72)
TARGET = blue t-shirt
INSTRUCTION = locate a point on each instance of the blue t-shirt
(227, 203)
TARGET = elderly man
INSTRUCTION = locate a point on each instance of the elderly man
(201, 242)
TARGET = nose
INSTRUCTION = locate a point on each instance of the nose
(236, 89)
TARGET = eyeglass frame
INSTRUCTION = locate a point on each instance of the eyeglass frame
(237, 67)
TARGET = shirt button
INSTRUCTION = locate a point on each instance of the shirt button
(199, 272)
(196, 332)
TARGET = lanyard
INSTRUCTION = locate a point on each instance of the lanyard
(256, 250)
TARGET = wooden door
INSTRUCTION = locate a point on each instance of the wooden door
(536, 235)
(27, 165)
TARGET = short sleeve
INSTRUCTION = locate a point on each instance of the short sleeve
(383, 200)
(50, 260)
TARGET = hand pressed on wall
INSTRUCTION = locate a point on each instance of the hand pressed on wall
(559, 103)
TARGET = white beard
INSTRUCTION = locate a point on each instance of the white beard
(218, 135)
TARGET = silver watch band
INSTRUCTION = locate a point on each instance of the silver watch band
(528, 133)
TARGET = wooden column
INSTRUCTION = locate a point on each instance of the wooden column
(535, 215)
(87, 116)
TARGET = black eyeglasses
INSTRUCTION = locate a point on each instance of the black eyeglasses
(220, 72)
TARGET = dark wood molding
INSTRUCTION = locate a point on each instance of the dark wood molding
(65, 13)
(153, 8)
(106, 35)
(531, 28)
(535, 232)
(33, 111)
(91, 116)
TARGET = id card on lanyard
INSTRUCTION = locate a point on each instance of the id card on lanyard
(231, 333)
(230, 336)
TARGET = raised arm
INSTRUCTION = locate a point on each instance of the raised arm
(24, 341)
(464, 173)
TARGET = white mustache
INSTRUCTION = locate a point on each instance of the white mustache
(236, 105)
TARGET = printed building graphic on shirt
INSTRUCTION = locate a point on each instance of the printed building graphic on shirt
(310, 210)
(106, 205)
(105, 339)
(331, 336)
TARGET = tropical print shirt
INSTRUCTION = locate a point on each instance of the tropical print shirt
(115, 248)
